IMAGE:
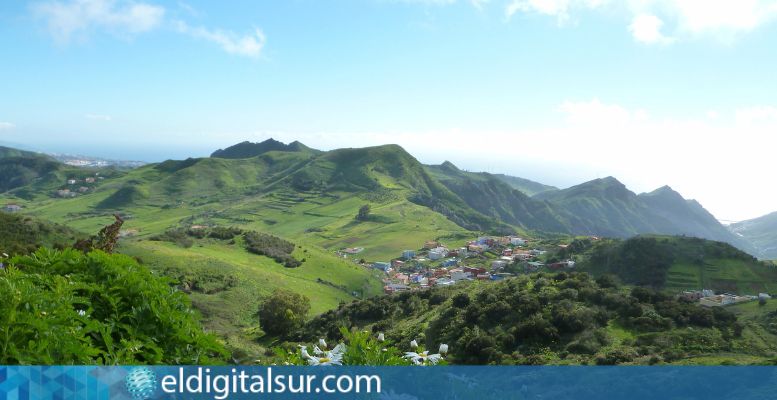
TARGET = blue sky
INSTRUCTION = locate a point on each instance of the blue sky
(653, 92)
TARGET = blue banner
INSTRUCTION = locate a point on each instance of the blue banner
(387, 383)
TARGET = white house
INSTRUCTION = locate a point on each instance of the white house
(498, 264)
(460, 275)
(516, 241)
(437, 253)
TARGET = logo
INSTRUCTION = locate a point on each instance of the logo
(141, 383)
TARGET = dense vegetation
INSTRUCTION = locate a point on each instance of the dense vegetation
(67, 307)
(20, 234)
(255, 242)
(673, 263)
(564, 318)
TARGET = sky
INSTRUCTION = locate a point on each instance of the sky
(653, 92)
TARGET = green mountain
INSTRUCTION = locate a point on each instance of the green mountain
(491, 196)
(247, 149)
(272, 182)
(605, 207)
(8, 152)
(761, 232)
(526, 186)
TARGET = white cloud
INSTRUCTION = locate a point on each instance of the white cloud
(646, 28)
(250, 44)
(720, 19)
(478, 3)
(98, 117)
(757, 115)
(557, 8)
(66, 19)
(6, 126)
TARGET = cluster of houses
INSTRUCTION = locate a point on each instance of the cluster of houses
(76, 186)
(708, 298)
(437, 265)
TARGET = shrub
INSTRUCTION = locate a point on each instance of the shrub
(283, 312)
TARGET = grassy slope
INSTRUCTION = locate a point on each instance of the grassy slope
(231, 310)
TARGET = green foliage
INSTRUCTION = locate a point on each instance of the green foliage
(67, 307)
(364, 213)
(21, 234)
(534, 319)
(271, 246)
(283, 312)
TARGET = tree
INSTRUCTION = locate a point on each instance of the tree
(283, 312)
(364, 213)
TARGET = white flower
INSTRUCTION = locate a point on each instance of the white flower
(6, 255)
(332, 357)
(443, 348)
(322, 343)
(423, 358)
(82, 313)
(413, 344)
(381, 337)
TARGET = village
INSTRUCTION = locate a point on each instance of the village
(487, 258)
(490, 258)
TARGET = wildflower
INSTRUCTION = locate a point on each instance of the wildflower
(82, 313)
(443, 348)
(332, 357)
(322, 343)
(381, 337)
(413, 344)
(5, 255)
(423, 358)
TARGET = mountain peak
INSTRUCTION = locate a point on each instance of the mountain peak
(248, 149)
(447, 165)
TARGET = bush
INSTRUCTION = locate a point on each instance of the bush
(67, 307)
(271, 246)
(283, 312)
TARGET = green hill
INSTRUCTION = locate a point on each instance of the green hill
(248, 149)
(677, 263)
(563, 319)
(21, 234)
(493, 197)
(761, 232)
(526, 186)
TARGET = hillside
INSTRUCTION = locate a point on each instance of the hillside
(492, 196)
(761, 232)
(8, 152)
(301, 193)
(526, 186)
(605, 207)
(20, 234)
(675, 264)
(249, 149)
(560, 319)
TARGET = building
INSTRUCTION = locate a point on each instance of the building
(395, 287)
(451, 262)
(437, 253)
(89, 180)
(408, 254)
(459, 275)
(71, 181)
(444, 282)
(383, 266)
(474, 271)
(507, 252)
(12, 208)
(397, 264)
(516, 241)
(402, 278)
(430, 244)
(498, 264)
